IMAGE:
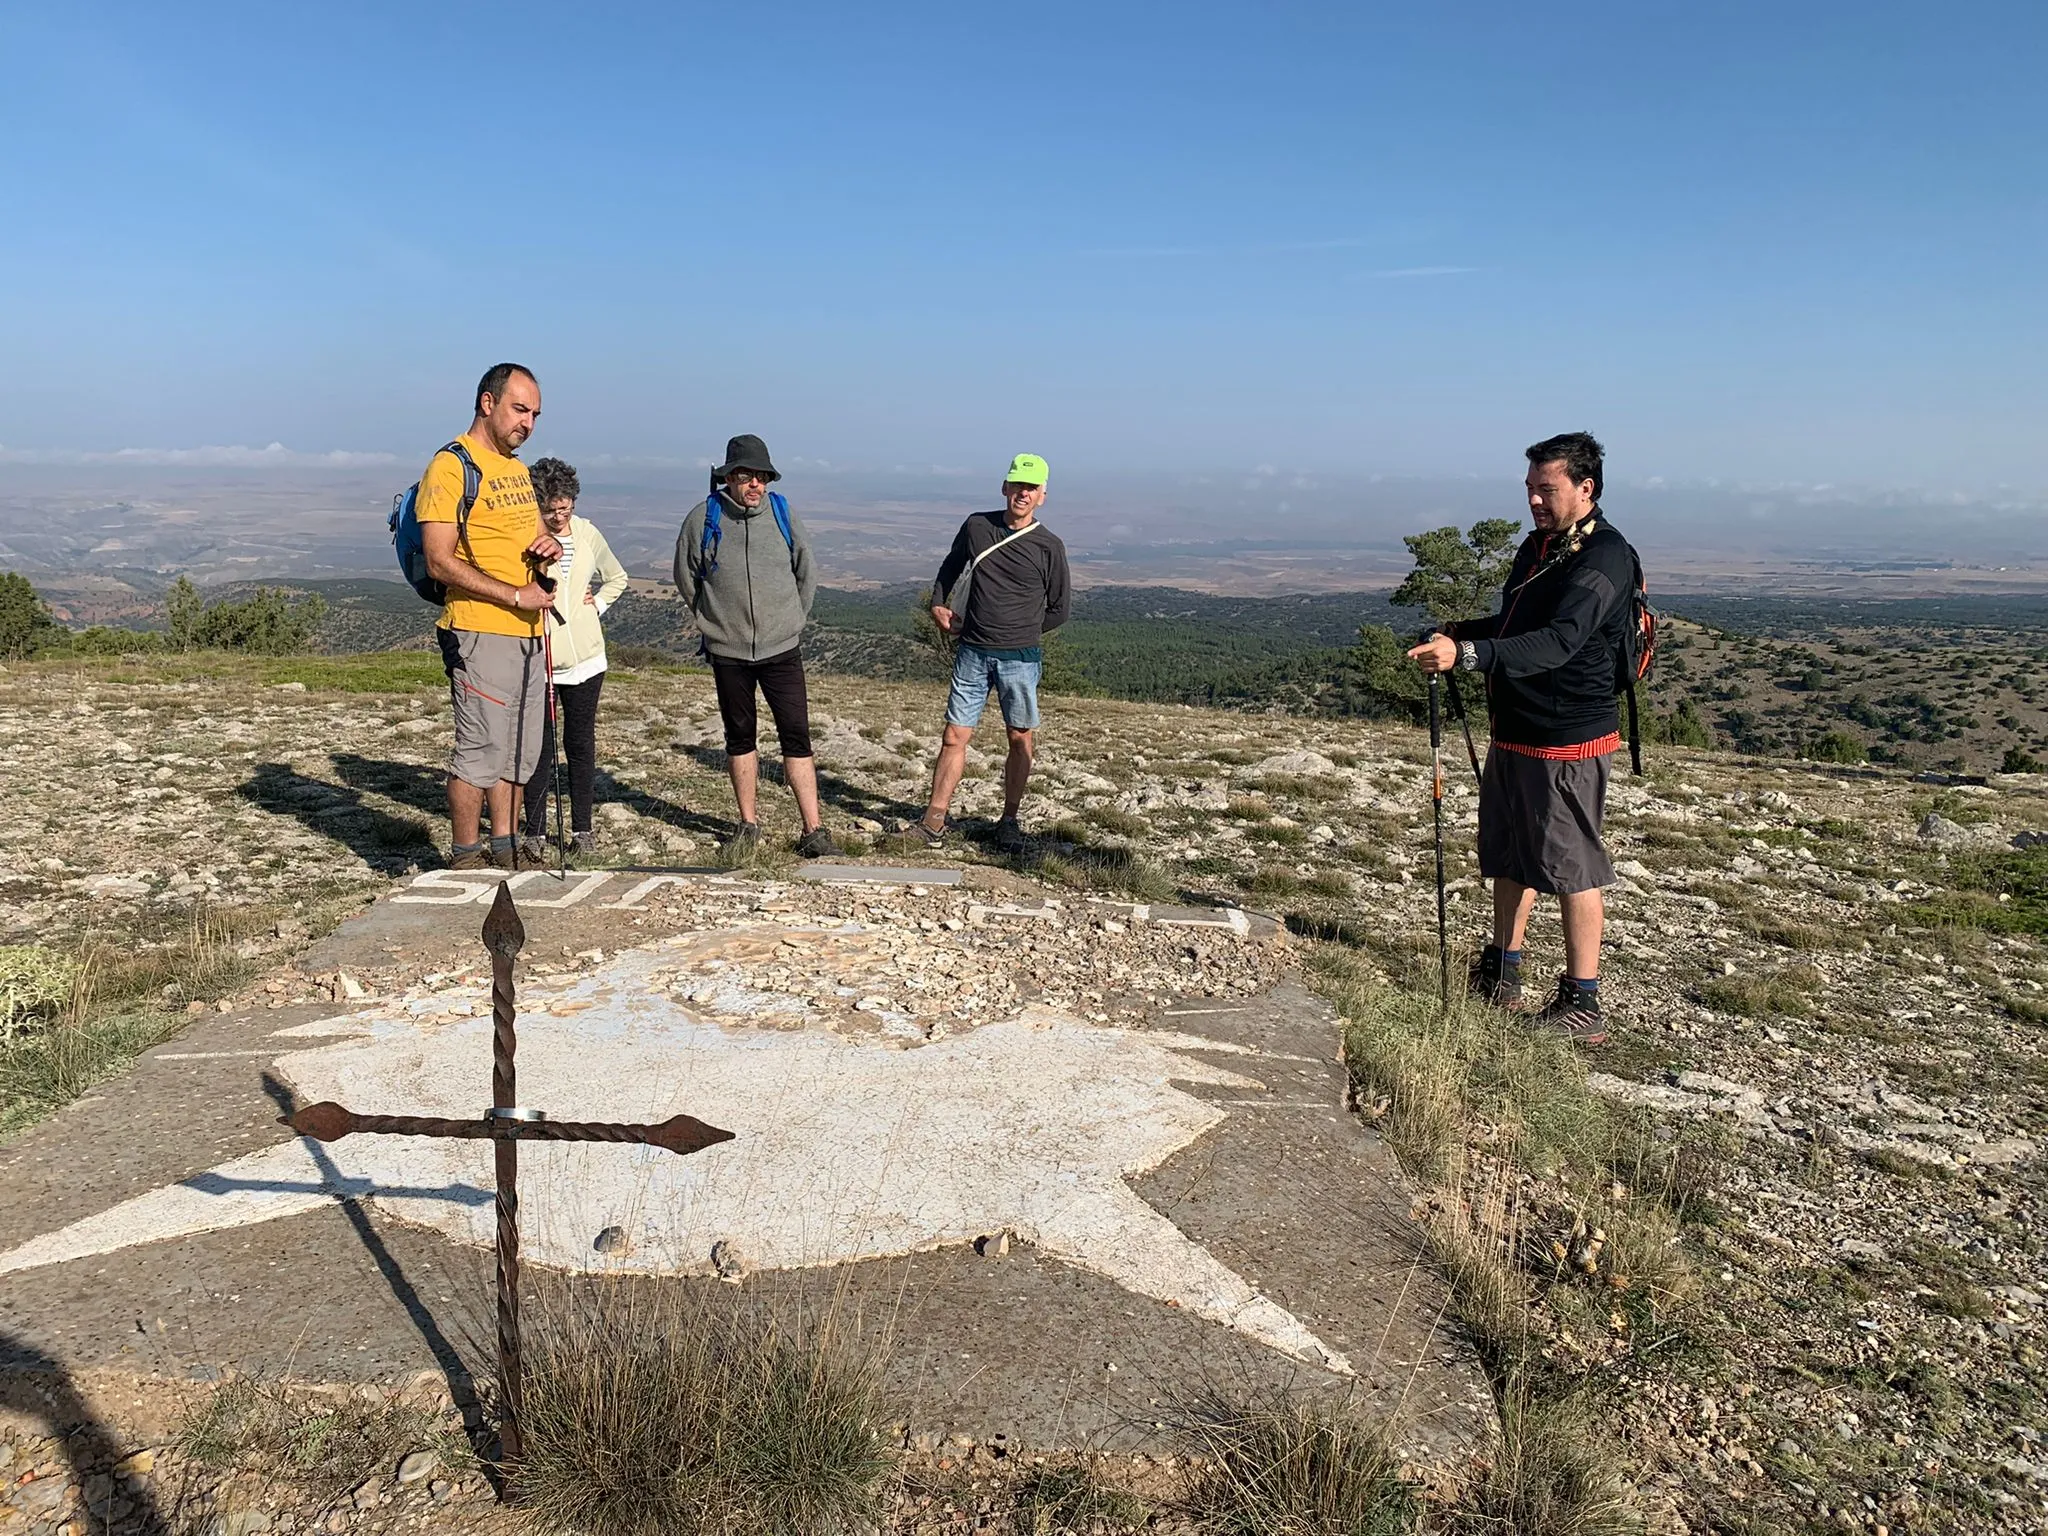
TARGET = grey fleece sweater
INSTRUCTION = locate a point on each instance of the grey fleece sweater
(756, 601)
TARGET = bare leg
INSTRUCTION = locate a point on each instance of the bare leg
(802, 773)
(465, 810)
(745, 771)
(1512, 905)
(500, 797)
(1016, 770)
(1585, 917)
(946, 775)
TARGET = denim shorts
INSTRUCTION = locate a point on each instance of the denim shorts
(1015, 683)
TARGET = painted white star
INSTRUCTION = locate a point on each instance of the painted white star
(844, 1149)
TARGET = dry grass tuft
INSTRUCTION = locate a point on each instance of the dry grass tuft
(1555, 1473)
(1754, 994)
(1072, 1496)
(661, 1410)
(1294, 1469)
(115, 1008)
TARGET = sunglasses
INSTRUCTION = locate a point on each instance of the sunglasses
(744, 476)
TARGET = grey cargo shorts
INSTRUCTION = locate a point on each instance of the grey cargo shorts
(1539, 822)
(499, 686)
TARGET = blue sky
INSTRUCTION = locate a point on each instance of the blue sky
(1754, 241)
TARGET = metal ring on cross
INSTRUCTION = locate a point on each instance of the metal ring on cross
(528, 1116)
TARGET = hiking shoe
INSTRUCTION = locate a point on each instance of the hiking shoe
(817, 844)
(1494, 984)
(1009, 837)
(1575, 1014)
(744, 840)
(505, 858)
(533, 853)
(583, 845)
(920, 832)
(472, 858)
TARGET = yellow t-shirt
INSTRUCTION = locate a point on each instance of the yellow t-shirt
(503, 522)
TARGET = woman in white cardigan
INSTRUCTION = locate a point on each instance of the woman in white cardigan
(588, 580)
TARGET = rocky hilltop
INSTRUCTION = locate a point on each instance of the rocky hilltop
(1831, 979)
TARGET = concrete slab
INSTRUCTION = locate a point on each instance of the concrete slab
(1187, 1199)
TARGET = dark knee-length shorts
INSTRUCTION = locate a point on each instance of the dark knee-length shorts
(1539, 822)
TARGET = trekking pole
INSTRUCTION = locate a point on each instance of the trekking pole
(1436, 791)
(1458, 709)
(547, 649)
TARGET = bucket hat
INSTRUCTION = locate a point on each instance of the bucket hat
(748, 452)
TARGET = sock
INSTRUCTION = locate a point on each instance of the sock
(1588, 989)
(1510, 959)
(501, 844)
(476, 847)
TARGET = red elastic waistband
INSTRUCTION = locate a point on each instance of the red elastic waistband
(1611, 742)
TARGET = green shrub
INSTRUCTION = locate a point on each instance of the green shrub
(1837, 747)
(268, 623)
(25, 622)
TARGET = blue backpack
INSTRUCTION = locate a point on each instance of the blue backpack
(405, 527)
(714, 531)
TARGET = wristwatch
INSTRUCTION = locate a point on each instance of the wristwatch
(1468, 655)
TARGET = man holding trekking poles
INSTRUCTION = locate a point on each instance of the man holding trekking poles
(481, 533)
(1550, 660)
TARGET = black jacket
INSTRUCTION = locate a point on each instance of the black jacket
(1553, 654)
(1018, 595)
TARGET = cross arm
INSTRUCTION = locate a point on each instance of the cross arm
(328, 1121)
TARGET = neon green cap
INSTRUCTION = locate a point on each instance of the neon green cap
(1026, 469)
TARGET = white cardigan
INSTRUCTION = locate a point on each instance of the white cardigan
(577, 638)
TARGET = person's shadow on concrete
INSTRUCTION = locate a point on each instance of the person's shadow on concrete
(35, 1386)
(462, 1388)
(337, 811)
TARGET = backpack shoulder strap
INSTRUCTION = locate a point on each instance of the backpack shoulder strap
(713, 533)
(472, 484)
(779, 505)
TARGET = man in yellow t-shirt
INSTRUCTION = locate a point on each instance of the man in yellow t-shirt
(490, 631)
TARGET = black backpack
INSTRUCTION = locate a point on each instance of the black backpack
(1638, 657)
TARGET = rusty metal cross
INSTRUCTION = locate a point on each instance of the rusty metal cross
(507, 1124)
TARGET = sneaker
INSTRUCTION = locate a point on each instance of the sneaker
(583, 845)
(1575, 1014)
(533, 853)
(817, 844)
(744, 840)
(1009, 837)
(472, 858)
(918, 831)
(1492, 983)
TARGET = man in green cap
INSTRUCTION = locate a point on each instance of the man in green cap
(1018, 592)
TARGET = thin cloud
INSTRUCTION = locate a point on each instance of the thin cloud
(1264, 248)
(235, 456)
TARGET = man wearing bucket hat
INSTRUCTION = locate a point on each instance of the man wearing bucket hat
(743, 565)
(1018, 593)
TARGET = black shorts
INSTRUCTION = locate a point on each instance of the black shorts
(781, 679)
(1539, 822)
